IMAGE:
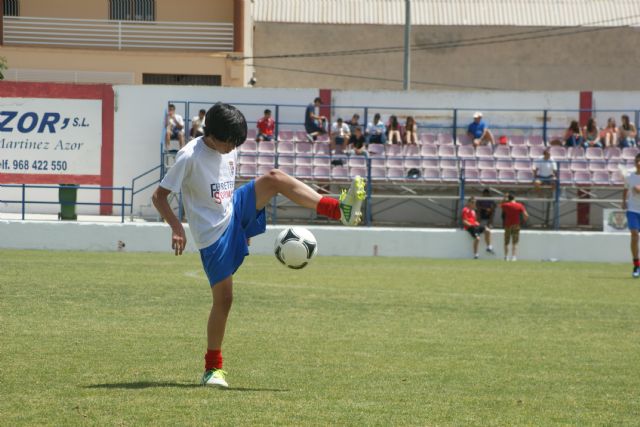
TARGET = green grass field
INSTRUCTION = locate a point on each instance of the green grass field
(118, 339)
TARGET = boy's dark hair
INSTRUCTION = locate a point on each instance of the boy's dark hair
(510, 197)
(226, 123)
(172, 107)
(318, 99)
(203, 111)
(267, 111)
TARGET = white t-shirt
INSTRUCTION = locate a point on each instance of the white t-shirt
(631, 179)
(207, 180)
(545, 168)
(340, 130)
(176, 119)
(198, 124)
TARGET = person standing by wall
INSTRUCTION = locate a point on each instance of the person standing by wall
(514, 214)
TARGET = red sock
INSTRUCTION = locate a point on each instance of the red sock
(213, 359)
(636, 262)
(329, 207)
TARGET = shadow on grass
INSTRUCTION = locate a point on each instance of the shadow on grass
(151, 384)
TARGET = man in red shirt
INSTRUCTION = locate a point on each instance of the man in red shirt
(514, 212)
(473, 227)
(266, 125)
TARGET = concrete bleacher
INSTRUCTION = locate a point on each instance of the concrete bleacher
(437, 159)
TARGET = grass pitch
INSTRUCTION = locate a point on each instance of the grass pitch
(118, 339)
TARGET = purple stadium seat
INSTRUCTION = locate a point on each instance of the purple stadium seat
(616, 177)
(504, 164)
(264, 169)
(597, 165)
(566, 177)
(378, 173)
(394, 162)
(445, 139)
(304, 148)
(412, 162)
(304, 160)
(487, 164)
(472, 175)
(431, 174)
(430, 163)
(396, 174)
(286, 159)
(247, 170)
(249, 147)
(322, 138)
(629, 153)
(267, 159)
(251, 134)
(268, 147)
(321, 148)
(469, 163)
(448, 164)
(322, 172)
(288, 169)
(304, 171)
(447, 151)
(576, 153)
(508, 176)
(502, 152)
(358, 171)
(579, 165)
(449, 175)
(465, 139)
(558, 153)
(247, 158)
(375, 149)
(322, 161)
(411, 150)
(378, 161)
(524, 176)
(594, 153)
(286, 147)
(427, 138)
(517, 140)
(535, 140)
(484, 152)
(466, 151)
(488, 175)
(614, 165)
(285, 135)
(581, 177)
(600, 177)
(520, 152)
(536, 151)
(394, 150)
(522, 165)
(612, 153)
(429, 151)
(357, 162)
(300, 136)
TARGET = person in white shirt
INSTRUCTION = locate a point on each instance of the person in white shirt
(544, 170)
(223, 219)
(631, 203)
(174, 124)
(197, 124)
(376, 131)
(340, 134)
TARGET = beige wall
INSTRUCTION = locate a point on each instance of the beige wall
(596, 60)
(138, 62)
(166, 10)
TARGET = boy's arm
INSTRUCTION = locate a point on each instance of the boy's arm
(178, 237)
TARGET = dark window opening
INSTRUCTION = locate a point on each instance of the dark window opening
(182, 79)
(11, 8)
(132, 10)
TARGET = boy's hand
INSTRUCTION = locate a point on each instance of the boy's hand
(178, 239)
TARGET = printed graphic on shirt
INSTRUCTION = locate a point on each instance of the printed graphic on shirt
(222, 190)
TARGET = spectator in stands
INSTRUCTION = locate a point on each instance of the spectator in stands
(354, 123)
(358, 142)
(266, 127)
(174, 124)
(591, 134)
(514, 214)
(197, 124)
(544, 170)
(573, 136)
(411, 131)
(479, 132)
(473, 227)
(314, 124)
(627, 133)
(486, 209)
(376, 131)
(610, 134)
(340, 135)
(393, 131)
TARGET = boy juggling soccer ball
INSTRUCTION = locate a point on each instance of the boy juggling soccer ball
(631, 203)
(222, 218)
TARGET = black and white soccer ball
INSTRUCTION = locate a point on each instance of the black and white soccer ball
(295, 247)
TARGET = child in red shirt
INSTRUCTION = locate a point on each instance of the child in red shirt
(513, 212)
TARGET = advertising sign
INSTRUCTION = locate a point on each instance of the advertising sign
(50, 136)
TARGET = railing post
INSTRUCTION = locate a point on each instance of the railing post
(455, 126)
(24, 192)
(366, 120)
(122, 207)
(461, 200)
(556, 205)
(544, 126)
(119, 35)
(369, 192)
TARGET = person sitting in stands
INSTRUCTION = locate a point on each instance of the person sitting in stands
(610, 134)
(197, 124)
(627, 133)
(314, 124)
(174, 124)
(479, 132)
(266, 127)
(393, 131)
(573, 136)
(340, 134)
(376, 131)
(411, 131)
(591, 134)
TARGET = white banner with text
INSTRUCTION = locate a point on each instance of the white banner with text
(50, 136)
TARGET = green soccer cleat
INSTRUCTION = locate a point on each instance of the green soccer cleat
(215, 378)
(351, 202)
(636, 272)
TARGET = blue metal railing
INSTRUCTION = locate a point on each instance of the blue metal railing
(24, 201)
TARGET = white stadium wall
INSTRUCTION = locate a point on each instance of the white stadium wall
(332, 241)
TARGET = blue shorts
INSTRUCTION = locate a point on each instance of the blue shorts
(633, 220)
(224, 257)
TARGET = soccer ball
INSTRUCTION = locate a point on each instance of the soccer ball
(295, 247)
